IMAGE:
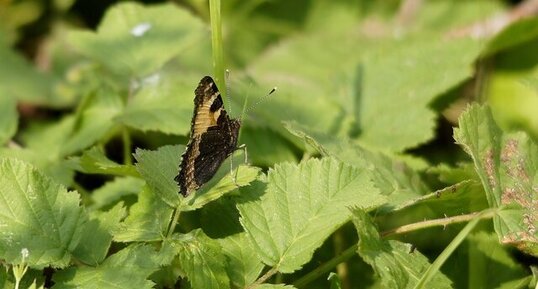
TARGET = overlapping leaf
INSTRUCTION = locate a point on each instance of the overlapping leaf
(8, 118)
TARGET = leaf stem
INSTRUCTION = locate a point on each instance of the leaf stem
(351, 251)
(263, 278)
(173, 224)
(216, 44)
(439, 222)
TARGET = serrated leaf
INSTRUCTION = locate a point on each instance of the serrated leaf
(397, 266)
(94, 161)
(507, 166)
(112, 191)
(147, 221)
(302, 205)
(392, 176)
(96, 235)
(9, 118)
(38, 215)
(201, 259)
(163, 103)
(159, 168)
(397, 86)
(242, 265)
(133, 39)
(128, 268)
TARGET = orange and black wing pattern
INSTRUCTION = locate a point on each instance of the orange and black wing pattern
(213, 138)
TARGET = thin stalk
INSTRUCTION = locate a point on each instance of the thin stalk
(263, 278)
(216, 43)
(127, 144)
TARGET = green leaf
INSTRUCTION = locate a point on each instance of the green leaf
(159, 168)
(242, 265)
(393, 177)
(302, 205)
(394, 261)
(8, 118)
(201, 259)
(114, 190)
(96, 235)
(38, 215)
(94, 161)
(147, 221)
(163, 103)
(135, 40)
(396, 87)
(516, 33)
(220, 218)
(128, 268)
(507, 165)
(221, 183)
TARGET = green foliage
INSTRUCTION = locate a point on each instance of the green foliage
(94, 121)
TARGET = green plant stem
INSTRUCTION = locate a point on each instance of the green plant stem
(127, 144)
(216, 44)
(173, 224)
(439, 222)
(351, 251)
(263, 278)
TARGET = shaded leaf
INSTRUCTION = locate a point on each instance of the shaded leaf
(96, 235)
(112, 191)
(147, 221)
(514, 34)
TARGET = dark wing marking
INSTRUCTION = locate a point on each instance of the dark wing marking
(214, 149)
(208, 106)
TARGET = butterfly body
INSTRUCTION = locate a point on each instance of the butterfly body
(213, 138)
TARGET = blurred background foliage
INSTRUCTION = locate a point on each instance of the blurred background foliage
(388, 76)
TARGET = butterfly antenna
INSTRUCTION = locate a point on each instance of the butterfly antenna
(264, 98)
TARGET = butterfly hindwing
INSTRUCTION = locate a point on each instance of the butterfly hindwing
(213, 138)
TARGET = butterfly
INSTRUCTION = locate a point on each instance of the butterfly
(213, 138)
